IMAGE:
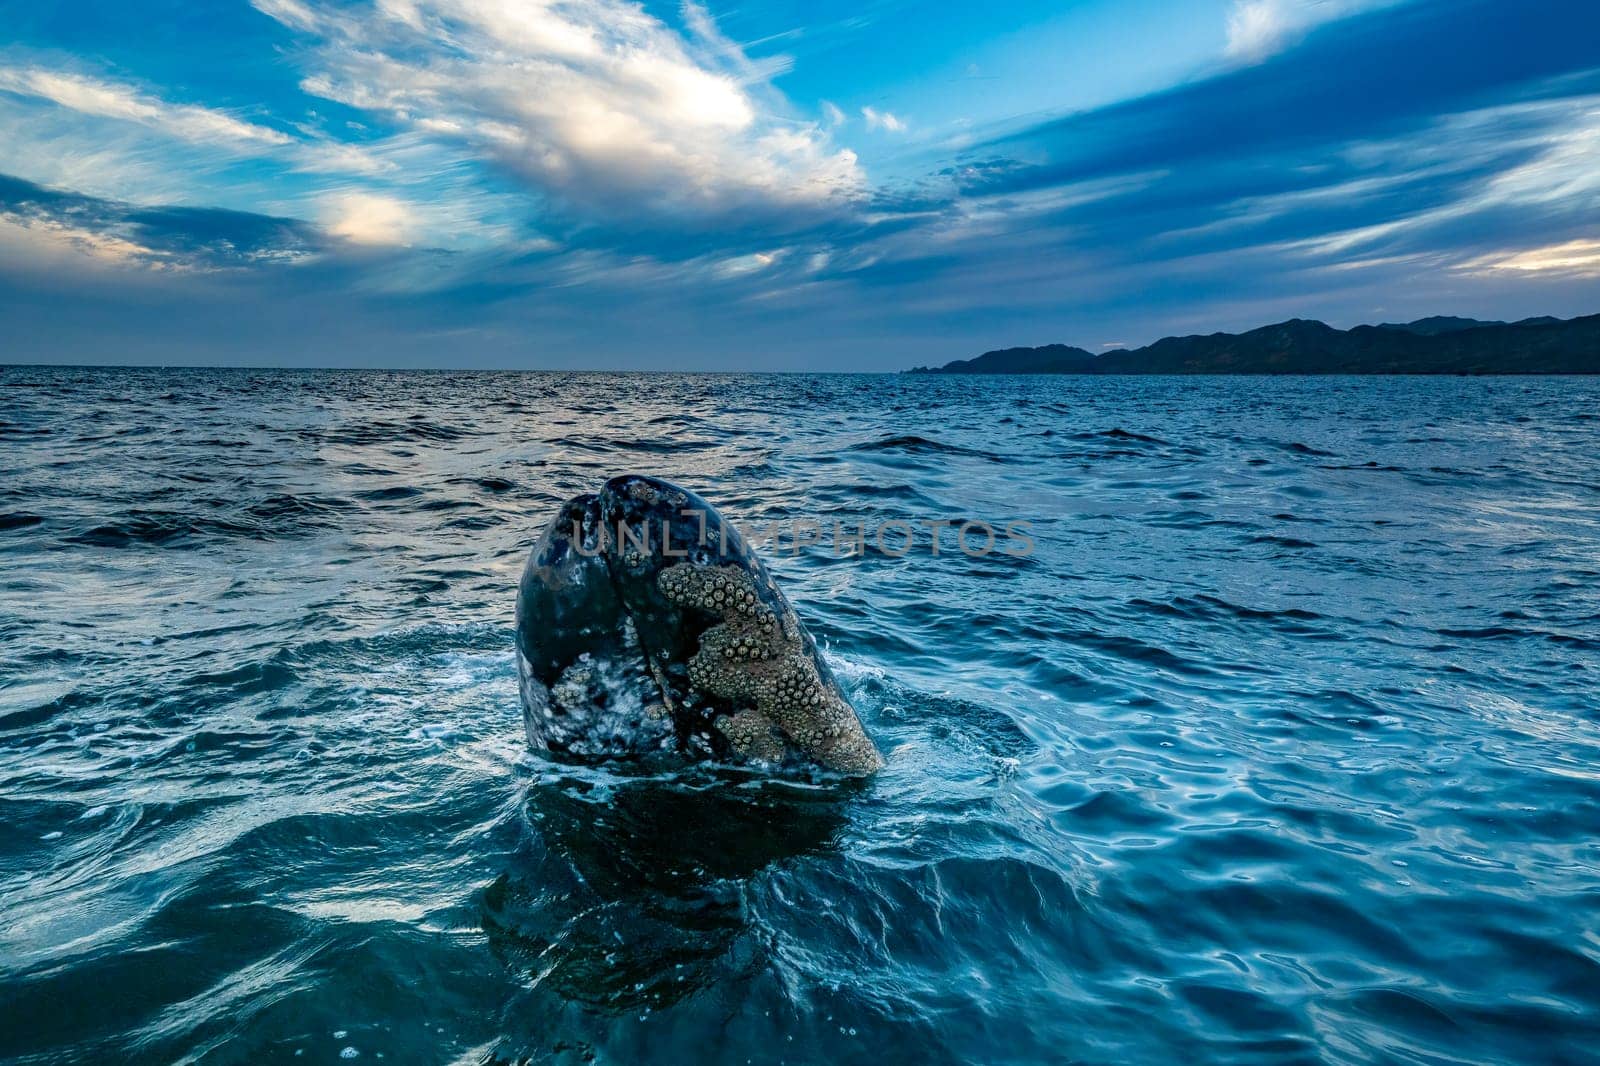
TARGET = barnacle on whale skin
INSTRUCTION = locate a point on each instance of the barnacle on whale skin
(757, 656)
(752, 735)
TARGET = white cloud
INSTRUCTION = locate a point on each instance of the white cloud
(439, 216)
(52, 147)
(882, 120)
(592, 101)
(1555, 186)
(707, 34)
(107, 99)
(333, 157)
(1579, 258)
(291, 13)
(369, 218)
(833, 114)
(195, 126)
(739, 266)
(1564, 170)
(1261, 28)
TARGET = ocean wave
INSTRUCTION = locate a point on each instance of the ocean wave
(1255, 758)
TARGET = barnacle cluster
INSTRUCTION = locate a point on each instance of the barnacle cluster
(573, 690)
(758, 657)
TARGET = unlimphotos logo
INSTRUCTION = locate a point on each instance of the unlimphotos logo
(895, 538)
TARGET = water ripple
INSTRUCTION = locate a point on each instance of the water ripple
(1280, 747)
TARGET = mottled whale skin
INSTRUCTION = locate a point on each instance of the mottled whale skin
(646, 625)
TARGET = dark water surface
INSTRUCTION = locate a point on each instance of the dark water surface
(1283, 746)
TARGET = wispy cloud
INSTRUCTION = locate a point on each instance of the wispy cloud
(166, 239)
(370, 218)
(194, 125)
(1260, 28)
(110, 99)
(1570, 258)
(882, 120)
(519, 169)
(1373, 79)
(593, 103)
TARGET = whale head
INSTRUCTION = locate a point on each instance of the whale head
(646, 625)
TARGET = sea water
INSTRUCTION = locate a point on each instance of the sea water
(1282, 744)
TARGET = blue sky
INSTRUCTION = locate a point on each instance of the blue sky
(778, 184)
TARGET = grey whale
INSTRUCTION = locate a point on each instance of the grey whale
(646, 625)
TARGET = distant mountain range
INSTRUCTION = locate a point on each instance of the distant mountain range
(1439, 345)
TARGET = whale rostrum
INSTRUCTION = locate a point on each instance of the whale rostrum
(646, 625)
